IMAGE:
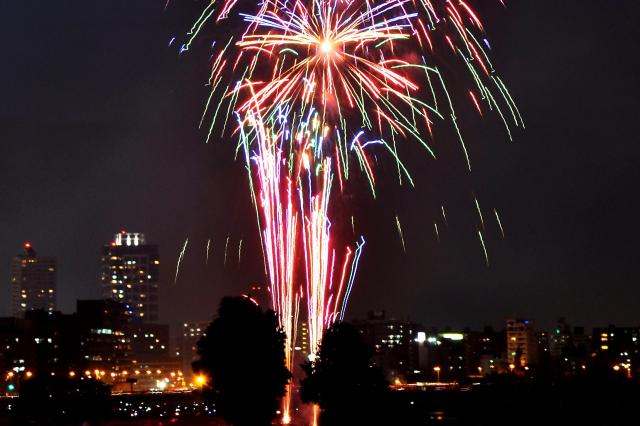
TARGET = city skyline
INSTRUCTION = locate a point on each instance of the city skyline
(123, 116)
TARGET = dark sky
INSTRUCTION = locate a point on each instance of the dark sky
(98, 132)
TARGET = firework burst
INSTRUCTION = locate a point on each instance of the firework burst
(316, 85)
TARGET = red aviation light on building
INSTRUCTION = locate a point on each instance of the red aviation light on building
(27, 245)
(123, 232)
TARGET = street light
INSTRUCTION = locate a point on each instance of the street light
(437, 370)
(201, 380)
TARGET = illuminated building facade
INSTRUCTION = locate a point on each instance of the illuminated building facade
(301, 345)
(187, 343)
(130, 275)
(105, 344)
(149, 342)
(485, 352)
(33, 282)
(617, 347)
(522, 343)
(396, 349)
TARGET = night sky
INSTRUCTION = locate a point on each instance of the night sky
(98, 132)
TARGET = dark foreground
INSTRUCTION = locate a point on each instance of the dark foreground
(564, 402)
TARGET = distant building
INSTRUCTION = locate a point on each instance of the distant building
(189, 334)
(395, 344)
(581, 340)
(98, 341)
(104, 339)
(485, 352)
(560, 338)
(33, 282)
(446, 356)
(301, 345)
(130, 275)
(522, 343)
(42, 342)
(617, 346)
(543, 342)
(149, 342)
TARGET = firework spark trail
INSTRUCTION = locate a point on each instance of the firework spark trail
(352, 277)
(495, 212)
(323, 293)
(302, 70)
(278, 223)
(400, 234)
(180, 257)
(327, 271)
(226, 246)
(475, 199)
(373, 62)
(207, 255)
(444, 216)
(484, 247)
(239, 251)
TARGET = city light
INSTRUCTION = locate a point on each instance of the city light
(452, 336)
(200, 380)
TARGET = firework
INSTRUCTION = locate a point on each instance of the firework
(374, 63)
(400, 234)
(180, 257)
(292, 201)
(495, 212)
(319, 85)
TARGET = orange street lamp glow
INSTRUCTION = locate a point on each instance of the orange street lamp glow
(201, 380)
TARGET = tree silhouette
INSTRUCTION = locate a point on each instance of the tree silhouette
(242, 354)
(342, 382)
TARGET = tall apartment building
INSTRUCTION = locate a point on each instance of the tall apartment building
(395, 345)
(130, 275)
(522, 343)
(33, 282)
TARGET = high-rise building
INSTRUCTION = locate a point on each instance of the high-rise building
(33, 282)
(522, 343)
(395, 345)
(130, 275)
(301, 344)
